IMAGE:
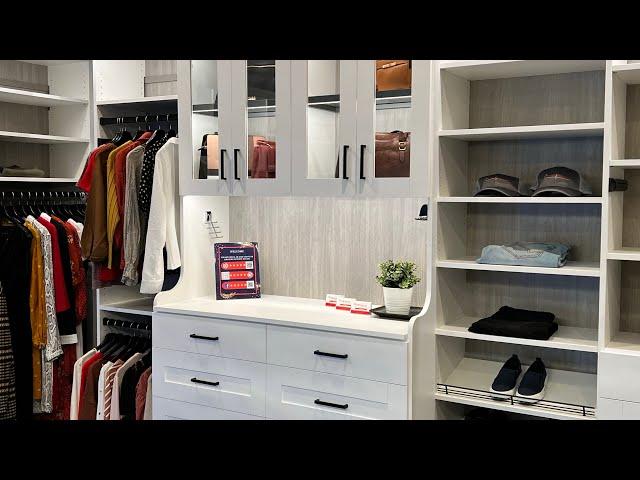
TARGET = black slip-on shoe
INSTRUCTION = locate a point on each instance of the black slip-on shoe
(532, 386)
(505, 382)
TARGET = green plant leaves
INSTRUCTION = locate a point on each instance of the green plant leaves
(397, 274)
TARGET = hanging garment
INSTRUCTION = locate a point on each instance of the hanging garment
(141, 393)
(117, 383)
(148, 404)
(62, 384)
(75, 383)
(84, 183)
(113, 216)
(94, 236)
(108, 387)
(131, 234)
(162, 230)
(7, 365)
(15, 276)
(101, 381)
(127, 395)
(88, 406)
(77, 273)
(264, 160)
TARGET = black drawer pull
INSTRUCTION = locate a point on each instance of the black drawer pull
(205, 382)
(202, 337)
(222, 177)
(329, 404)
(334, 355)
(344, 162)
(362, 147)
(235, 163)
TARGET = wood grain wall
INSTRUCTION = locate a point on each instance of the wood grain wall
(311, 246)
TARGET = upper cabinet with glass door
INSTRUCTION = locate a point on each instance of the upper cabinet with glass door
(237, 117)
(393, 125)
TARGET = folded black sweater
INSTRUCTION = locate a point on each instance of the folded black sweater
(515, 322)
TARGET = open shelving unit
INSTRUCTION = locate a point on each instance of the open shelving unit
(517, 117)
(45, 118)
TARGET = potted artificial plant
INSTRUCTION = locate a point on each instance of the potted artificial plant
(397, 280)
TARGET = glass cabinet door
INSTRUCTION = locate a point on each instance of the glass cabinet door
(393, 113)
(205, 106)
(323, 126)
(261, 153)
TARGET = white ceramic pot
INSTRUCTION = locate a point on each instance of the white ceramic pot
(397, 300)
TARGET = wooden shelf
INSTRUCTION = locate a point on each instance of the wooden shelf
(631, 254)
(576, 269)
(24, 97)
(566, 338)
(629, 73)
(526, 132)
(491, 69)
(565, 387)
(38, 138)
(142, 306)
(38, 179)
(627, 343)
(139, 100)
(561, 200)
(631, 163)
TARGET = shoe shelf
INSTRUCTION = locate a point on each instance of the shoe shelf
(568, 394)
(565, 338)
(543, 200)
(593, 129)
(494, 69)
(626, 163)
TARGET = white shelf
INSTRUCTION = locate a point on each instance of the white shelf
(627, 343)
(142, 306)
(23, 97)
(571, 200)
(490, 69)
(139, 100)
(629, 73)
(566, 338)
(38, 179)
(38, 138)
(632, 254)
(526, 132)
(631, 163)
(562, 386)
(576, 269)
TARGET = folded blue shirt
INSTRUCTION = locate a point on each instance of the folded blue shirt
(528, 254)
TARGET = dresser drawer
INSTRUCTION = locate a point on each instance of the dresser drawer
(224, 338)
(366, 357)
(619, 377)
(303, 395)
(166, 409)
(219, 382)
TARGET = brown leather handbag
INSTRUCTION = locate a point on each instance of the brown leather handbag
(393, 75)
(393, 151)
(209, 160)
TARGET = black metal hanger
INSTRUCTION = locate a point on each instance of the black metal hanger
(171, 133)
(140, 131)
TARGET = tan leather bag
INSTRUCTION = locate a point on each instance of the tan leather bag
(393, 75)
(393, 151)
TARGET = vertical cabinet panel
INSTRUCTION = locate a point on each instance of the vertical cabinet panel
(323, 109)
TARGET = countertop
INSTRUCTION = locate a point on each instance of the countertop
(292, 312)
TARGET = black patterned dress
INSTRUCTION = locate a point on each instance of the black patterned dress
(7, 365)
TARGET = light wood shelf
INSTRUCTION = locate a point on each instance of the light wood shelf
(630, 163)
(629, 73)
(543, 200)
(492, 69)
(566, 338)
(578, 269)
(141, 306)
(38, 179)
(565, 387)
(525, 132)
(141, 101)
(21, 137)
(25, 97)
(625, 253)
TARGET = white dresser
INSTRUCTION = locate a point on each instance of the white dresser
(277, 358)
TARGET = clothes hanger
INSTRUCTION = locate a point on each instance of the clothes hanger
(158, 134)
(116, 139)
(139, 132)
(171, 133)
(126, 135)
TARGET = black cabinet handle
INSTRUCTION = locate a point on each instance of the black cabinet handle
(329, 404)
(235, 163)
(205, 382)
(222, 177)
(362, 147)
(344, 162)
(202, 337)
(334, 355)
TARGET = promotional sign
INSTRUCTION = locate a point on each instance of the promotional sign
(237, 270)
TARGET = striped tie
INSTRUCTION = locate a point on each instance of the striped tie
(108, 388)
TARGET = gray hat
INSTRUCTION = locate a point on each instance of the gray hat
(561, 181)
(499, 184)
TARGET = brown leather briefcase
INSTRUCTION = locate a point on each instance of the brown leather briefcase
(393, 154)
(393, 75)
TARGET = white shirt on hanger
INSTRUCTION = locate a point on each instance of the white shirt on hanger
(75, 386)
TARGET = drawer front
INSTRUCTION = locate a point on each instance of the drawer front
(218, 382)
(166, 409)
(367, 357)
(224, 338)
(294, 394)
(609, 409)
(619, 377)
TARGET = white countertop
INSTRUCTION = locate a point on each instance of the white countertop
(292, 312)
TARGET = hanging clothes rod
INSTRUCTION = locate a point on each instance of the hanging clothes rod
(29, 197)
(141, 119)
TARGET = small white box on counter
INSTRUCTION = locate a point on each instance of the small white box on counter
(361, 307)
(332, 299)
(344, 303)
